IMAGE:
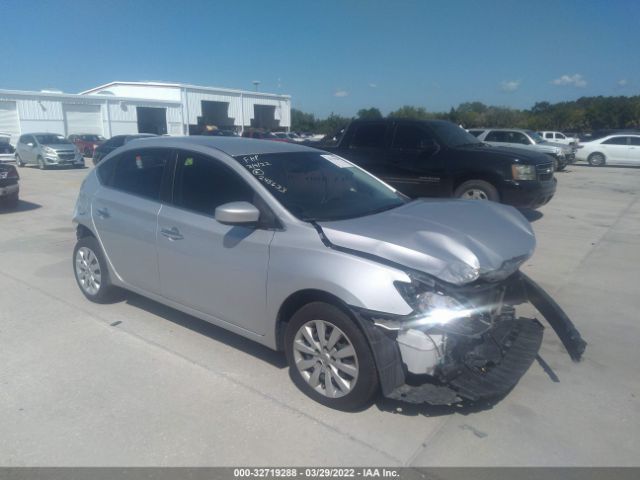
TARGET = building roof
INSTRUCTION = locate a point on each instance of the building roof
(84, 98)
(184, 85)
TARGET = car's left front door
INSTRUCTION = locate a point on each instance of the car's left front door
(216, 269)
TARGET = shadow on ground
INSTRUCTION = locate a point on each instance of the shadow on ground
(23, 206)
(277, 359)
(531, 215)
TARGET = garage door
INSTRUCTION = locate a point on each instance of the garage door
(82, 119)
(9, 120)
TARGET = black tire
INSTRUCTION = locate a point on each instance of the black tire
(366, 384)
(41, 164)
(11, 201)
(19, 161)
(478, 189)
(106, 292)
(562, 164)
(597, 159)
(88, 152)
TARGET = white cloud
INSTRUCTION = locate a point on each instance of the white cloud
(373, 85)
(510, 86)
(340, 93)
(623, 82)
(575, 80)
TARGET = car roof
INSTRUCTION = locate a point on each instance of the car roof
(232, 146)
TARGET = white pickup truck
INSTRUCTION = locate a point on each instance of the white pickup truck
(559, 137)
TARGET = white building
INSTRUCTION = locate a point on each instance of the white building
(141, 107)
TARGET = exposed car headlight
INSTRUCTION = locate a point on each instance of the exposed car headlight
(435, 309)
(523, 172)
(49, 150)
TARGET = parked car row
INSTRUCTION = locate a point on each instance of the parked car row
(563, 154)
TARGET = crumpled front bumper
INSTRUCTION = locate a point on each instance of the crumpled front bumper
(491, 365)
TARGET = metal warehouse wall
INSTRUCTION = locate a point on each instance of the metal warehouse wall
(194, 100)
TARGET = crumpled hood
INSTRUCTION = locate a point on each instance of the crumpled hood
(456, 241)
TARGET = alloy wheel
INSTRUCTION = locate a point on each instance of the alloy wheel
(88, 271)
(325, 358)
(475, 194)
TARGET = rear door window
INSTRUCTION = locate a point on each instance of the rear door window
(369, 135)
(138, 172)
(497, 136)
(410, 137)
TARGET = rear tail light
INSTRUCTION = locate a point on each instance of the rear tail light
(13, 174)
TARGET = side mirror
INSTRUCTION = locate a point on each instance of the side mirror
(237, 213)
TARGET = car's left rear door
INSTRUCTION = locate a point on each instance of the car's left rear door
(125, 213)
(216, 269)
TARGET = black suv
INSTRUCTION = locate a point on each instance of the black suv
(436, 158)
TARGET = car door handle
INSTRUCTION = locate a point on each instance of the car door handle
(103, 213)
(171, 233)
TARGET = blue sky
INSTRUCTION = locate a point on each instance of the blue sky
(332, 56)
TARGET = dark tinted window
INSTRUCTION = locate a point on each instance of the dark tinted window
(497, 136)
(548, 135)
(369, 135)
(203, 183)
(115, 142)
(634, 140)
(517, 137)
(616, 141)
(139, 172)
(410, 137)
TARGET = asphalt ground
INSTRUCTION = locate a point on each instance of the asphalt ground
(138, 384)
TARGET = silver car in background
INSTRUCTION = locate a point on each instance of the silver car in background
(47, 150)
(303, 251)
(528, 139)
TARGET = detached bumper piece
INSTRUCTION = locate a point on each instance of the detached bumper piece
(486, 370)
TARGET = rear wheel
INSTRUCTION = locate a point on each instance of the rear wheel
(88, 152)
(477, 190)
(91, 272)
(596, 159)
(329, 357)
(11, 201)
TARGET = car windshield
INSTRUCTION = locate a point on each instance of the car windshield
(535, 136)
(317, 186)
(51, 139)
(452, 135)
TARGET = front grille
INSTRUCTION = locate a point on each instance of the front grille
(545, 171)
(66, 156)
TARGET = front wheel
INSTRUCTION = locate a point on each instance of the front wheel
(41, 164)
(329, 357)
(596, 160)
(477, 190)
(19, 161)
(91, 272)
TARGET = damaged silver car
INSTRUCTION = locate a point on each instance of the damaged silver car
(302, 251)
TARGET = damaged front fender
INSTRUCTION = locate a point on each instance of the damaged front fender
(510, 347)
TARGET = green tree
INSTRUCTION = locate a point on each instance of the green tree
(369, 114)
(414, 113)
